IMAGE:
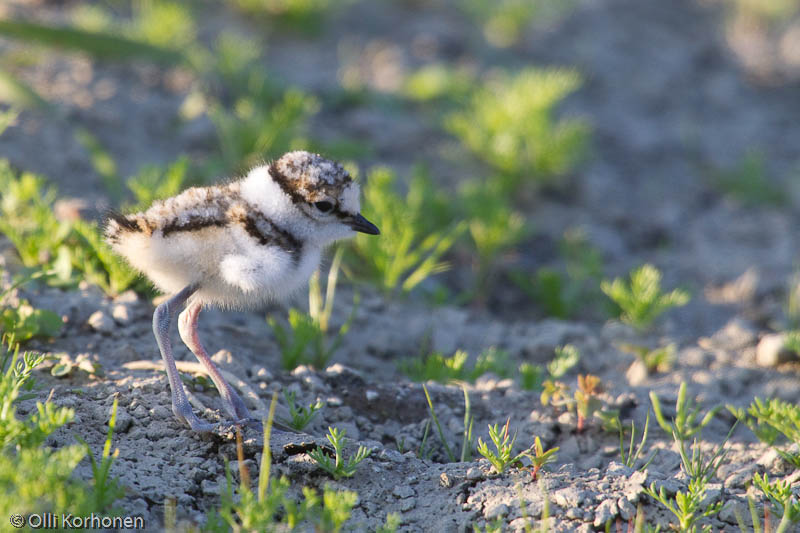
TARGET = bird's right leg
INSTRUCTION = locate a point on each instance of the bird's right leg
(161, 321)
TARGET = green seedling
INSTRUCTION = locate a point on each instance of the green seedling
(467, 441)
(685, 424)
(630, 457)
(338, 467)
(106, 489)
(501, 458)
(640, 299)
(564, 295)
(37, 478)
(414, 235)
(530, 376)
(438, 82)
(688, 507)
(583, 400)
(505, 21)
(586, 401)
(22, 321)
(566, 357)
(556, 393)
(784, 502)
(299, 416)
(435, 419)
(749, 184)
(540, 457)
(494, 229)
(699, 465)
(437, 367)
(307, 339)
(393, 521)
(69, 249)
(770, 419)
(510, 124)
(270, 507)
(655, 360)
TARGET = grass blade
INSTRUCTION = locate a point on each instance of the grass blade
(98, 44)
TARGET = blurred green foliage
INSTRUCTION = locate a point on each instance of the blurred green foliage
(71, 249)
(571, 292)
(509, 123)
(748, 182)
(505, 21)
(414, 236)
(640, 299)
(35, 478)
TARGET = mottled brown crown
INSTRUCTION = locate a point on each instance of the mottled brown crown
(308, 177)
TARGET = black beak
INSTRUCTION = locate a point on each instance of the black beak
(359, 223)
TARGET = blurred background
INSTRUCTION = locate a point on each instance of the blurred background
(514, 152)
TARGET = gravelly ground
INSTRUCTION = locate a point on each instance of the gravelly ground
(668, 100)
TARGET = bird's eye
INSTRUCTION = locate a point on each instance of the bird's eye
(324, 206)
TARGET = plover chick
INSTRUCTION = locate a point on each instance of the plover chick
(236, 245)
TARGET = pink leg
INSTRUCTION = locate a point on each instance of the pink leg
(187, 327)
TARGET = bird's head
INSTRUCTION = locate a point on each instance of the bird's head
(324, 194)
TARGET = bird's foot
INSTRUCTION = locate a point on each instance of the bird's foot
(183, 412)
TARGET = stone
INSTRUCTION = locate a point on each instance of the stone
(606, 511)
(771, 350)
(101, 322)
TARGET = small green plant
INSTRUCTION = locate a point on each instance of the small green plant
(504, 21)
(438, 82)
(688, 507)
(34, 478)
(450, 455)
(467, 440)
(640, 299)
(69, 249)
(437, 367)
(699, 465)
(566, 357)
(784, 502)
(106, 489)
(338, 467)
(583, 401)
(565, 294)
(770, 419)
(299, 416)
(270, 507)
(22, 321)
(749, 184)
(685, 424)
(631, 456)
(306, 340)
(656, 359)
(530, 376)
(501, 458)
(509, 124)
(586, 401)
(413, 240)
(494, 229)
(540, 457)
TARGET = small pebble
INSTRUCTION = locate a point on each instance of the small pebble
(101, 322)
(496, 511)
(403, 491)
(771, 351)
(122, 314)
(605, 512)
(474, 473)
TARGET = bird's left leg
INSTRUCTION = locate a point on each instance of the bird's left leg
(187, 327)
